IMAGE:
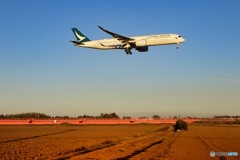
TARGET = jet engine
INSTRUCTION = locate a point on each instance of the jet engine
(142, 49)
(141, 43)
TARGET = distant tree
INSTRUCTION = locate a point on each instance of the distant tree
(143, 117)
(85, 116)
(224, 116)
(109, 115)
(126, 117)
(156, 117)
(65, 117)
(236, 116)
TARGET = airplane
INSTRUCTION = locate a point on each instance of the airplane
(140, 43)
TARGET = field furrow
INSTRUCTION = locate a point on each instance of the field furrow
(117, 142)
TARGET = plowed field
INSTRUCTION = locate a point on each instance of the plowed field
(142, 141)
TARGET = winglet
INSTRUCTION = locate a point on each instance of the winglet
(101, 28)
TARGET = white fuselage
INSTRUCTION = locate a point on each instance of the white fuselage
(139, 41)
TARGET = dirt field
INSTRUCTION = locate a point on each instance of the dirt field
(141, 141)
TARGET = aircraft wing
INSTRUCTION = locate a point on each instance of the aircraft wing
(115, 35)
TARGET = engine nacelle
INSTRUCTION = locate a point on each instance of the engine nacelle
(141, 43)
(142, 49)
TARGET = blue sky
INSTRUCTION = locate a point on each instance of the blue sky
(41, 71)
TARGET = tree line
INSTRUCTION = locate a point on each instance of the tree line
(42, 115)
(25, 115)
(226, 116)
(101, 116)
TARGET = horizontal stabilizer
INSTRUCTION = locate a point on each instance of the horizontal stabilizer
(76, 42)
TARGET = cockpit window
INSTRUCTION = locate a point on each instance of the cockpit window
(179, 36)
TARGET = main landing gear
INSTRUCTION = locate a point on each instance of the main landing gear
(128, 51)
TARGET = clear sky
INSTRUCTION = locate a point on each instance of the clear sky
(41, 71)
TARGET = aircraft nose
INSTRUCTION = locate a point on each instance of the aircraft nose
(183, 40)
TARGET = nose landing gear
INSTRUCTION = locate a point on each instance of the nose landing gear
(177, 45)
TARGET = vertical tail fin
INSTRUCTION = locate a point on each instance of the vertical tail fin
(80, 37)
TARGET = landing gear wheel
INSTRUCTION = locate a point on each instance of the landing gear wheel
(177, 46)
(128, 51)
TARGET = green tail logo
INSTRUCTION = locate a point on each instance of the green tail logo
(80, 37)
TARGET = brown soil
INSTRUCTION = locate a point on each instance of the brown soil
(199, 141)
(143, 141)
